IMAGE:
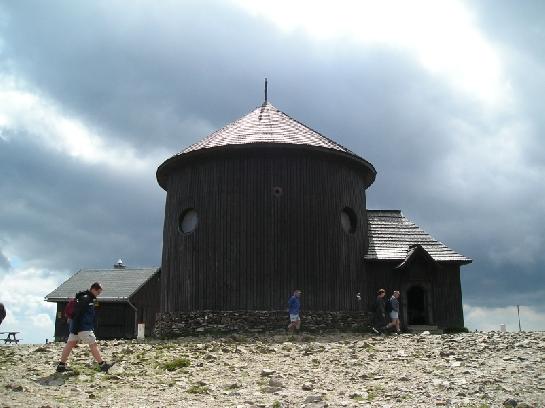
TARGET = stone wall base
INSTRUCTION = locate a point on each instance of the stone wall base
(178, 324)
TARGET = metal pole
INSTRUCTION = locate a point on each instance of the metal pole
(518, 313)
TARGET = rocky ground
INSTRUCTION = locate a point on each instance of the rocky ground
(345, 370)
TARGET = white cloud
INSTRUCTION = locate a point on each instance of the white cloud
(442, 35)
(22, 291)
(25, 112)
(490, 318)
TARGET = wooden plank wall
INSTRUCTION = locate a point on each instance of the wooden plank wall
(147, 301)
(113, 320)
(446, 291)
(251, 247)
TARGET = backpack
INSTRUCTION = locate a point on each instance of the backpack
(69, 309)
(388, 306)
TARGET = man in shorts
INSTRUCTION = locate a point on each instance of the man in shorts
(294, 306)
(82, 326)
(394, 313)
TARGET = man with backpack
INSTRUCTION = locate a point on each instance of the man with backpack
(81, 327)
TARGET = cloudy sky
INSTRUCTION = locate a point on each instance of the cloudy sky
(444, 98)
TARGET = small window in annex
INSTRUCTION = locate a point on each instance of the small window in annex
(348, 220)
(188, 221)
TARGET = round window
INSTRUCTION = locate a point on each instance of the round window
(188, 221)
(348, 220)
(277, 191)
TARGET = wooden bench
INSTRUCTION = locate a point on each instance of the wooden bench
(11, 337)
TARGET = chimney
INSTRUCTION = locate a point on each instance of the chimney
(119, 264)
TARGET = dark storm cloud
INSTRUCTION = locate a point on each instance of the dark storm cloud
(156, 74)
(59, 213)
(166, 74)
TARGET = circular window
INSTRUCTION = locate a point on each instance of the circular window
(277, 191)
(348, 220)
(188, 221)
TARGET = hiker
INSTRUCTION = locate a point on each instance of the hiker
(379, 307)
(82, 326)
(294, 306)
(2, 312)
(394, 312)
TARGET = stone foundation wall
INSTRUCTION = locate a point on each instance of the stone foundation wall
(169, 325)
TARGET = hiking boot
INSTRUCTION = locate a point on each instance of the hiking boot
(104, 367)
(61, 368)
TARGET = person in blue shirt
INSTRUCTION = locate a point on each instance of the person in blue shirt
(294, 306)
(82, 326)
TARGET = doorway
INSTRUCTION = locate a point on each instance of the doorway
(417, 306)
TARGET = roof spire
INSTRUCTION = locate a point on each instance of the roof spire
(265, 90)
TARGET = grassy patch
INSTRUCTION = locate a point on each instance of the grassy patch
(198, 389)
(276, 404)
(173, 365)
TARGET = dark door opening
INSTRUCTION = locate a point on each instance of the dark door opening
(417, 306)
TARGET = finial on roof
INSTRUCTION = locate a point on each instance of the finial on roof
(265, 90)
(119, 264)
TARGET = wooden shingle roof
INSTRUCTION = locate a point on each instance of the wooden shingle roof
(392, 236)
(265, 126)
(118, 284)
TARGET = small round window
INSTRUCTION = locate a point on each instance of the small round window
(188, 221)
(348, 220)
(277, 191)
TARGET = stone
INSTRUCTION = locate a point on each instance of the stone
(266, 372)
(271, 390)
(510, 402)
(314, 398)
(307, 387)
(275, 382)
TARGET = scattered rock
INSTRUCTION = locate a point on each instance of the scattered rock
(266, 372)
(307, 387)
(314, 398)
(275, 382)
(15, 387)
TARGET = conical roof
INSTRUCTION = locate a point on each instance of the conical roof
(266, 125)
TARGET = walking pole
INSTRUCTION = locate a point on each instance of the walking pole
(518, 313)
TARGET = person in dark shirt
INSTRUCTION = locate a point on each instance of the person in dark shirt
(379, 308)
(294, 306)
(82, 326)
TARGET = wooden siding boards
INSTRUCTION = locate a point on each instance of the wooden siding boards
(147, 302)
(442, 280)
(251, 247)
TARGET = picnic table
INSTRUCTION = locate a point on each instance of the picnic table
(11, 337)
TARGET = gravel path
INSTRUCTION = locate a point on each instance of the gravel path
(345, 370)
